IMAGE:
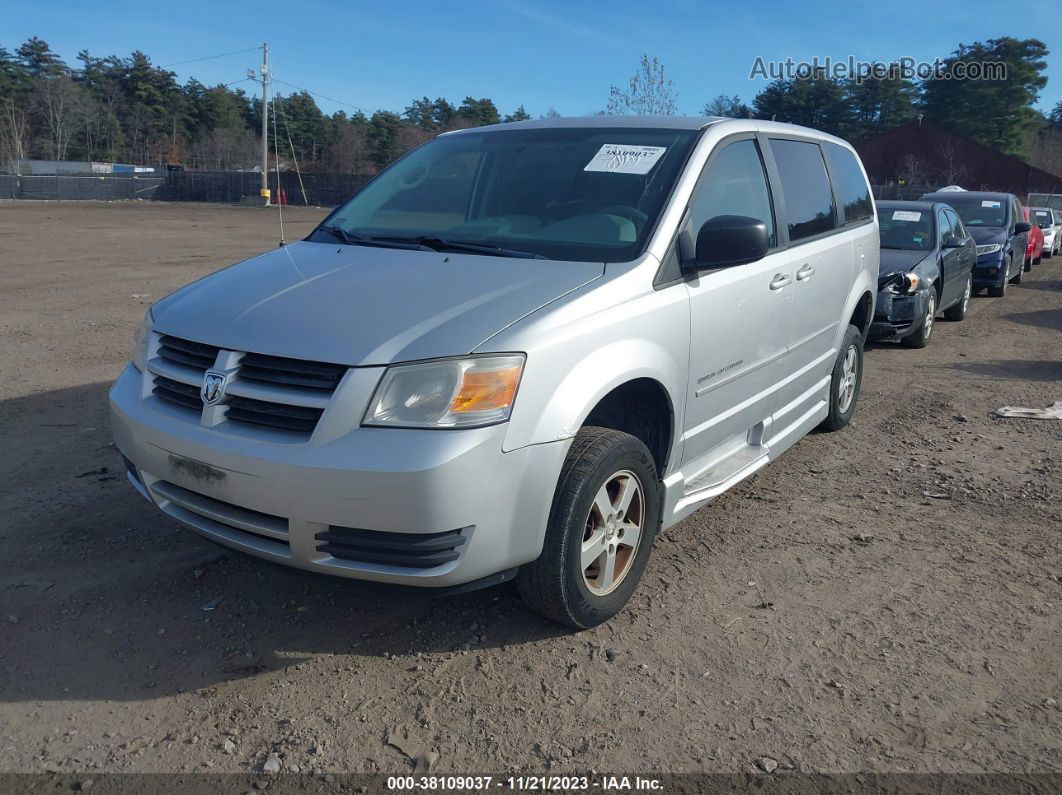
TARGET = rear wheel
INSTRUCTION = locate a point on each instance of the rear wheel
(1018, 275)
(845, 381)
(920, 338)
(958, 311)
(601, 529)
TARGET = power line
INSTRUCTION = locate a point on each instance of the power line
(316, 94)
(209, 57)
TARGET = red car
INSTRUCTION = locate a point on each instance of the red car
(1035, 250)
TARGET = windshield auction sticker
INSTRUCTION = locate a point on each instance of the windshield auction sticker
(906, 215)
(625, 159)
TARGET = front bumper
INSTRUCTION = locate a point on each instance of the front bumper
(276, 499)
(897, 316)
(989, 271)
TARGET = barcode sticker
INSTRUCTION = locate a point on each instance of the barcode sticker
(625, 159)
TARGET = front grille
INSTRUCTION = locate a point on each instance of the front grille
(407, 550)
(290, 372)
(268, 391)
(175, 392)
(187, 353)
(272, 415)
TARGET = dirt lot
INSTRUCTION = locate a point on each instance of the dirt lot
(888, 598)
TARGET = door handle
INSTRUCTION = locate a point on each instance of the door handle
(805, 273)
(780, 280)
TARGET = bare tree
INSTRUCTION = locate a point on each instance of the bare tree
(14, 134)
(953, 170)
(913, 170)
(62, 102)
(226, 148)
(350, 152)
(649, 92)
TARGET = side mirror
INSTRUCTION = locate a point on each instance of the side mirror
(1021, 227)
(950, 241)
(728, 240)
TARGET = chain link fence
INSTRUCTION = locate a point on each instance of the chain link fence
(322, 190)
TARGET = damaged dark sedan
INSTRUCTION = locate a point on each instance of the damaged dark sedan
(927, 260)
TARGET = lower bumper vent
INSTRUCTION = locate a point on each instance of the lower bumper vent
(407, 550)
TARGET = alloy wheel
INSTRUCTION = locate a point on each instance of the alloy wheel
(613, 531)
(931, 312)
(849, 375)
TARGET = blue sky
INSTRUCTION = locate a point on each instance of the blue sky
(538, 53)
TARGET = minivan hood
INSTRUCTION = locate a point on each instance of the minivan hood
(895, 260)
(357, 305)
(983, 235)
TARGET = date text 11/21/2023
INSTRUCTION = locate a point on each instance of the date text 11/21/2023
(522, 783)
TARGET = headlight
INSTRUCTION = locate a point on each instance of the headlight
(991, 248)
(902, 284)
(141, 340)
(448, 393)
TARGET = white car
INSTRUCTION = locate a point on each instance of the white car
(1050, 223)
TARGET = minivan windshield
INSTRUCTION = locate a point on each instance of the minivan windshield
(578, 194)
(980, 212)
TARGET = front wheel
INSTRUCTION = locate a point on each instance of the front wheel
(845, 381)
(1000, 290)
(920, 338)
(604, 518)
(958, 311)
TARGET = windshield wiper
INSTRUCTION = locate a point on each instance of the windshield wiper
(357, 240)
(442, 244)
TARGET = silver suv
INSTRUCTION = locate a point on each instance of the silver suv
(520, 352)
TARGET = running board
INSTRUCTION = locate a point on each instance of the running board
(701, 491)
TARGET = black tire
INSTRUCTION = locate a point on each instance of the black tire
(1018, 275)
(1000, 290)
(554, 584)
(957, 312)
(837, 418)
(1028, 265)
(920, 338)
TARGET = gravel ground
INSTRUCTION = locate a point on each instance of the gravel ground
(882, 599)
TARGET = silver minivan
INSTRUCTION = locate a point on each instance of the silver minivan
(521, 351)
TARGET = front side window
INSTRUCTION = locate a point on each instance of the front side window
(578, 194)
(734, 184)
(944, 229)
(956, 225)
(805, 187)
(854, 193)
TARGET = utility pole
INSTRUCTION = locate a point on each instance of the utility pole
(265, 122)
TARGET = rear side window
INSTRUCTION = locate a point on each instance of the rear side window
(852, 188)
(734, 184)
(805, 188)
